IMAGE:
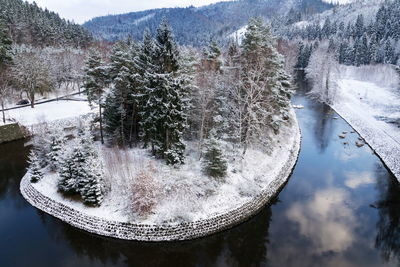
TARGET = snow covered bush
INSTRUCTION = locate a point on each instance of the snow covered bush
(145, 192)
(35, 170)
(56, 142)
(81, 170)
(66, 171)
(214, 162)
(93, 189)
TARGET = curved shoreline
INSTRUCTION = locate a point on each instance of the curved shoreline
(166, 232)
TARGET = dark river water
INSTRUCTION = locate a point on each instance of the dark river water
(340, 207)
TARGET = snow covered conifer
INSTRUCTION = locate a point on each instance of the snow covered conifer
(35, 170)
(68, 182)
(93, 188)
(95, 80)
(5, 46)
(56, 143)
(165, 109)
(214, 163)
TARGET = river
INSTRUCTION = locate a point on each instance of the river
(341, 207)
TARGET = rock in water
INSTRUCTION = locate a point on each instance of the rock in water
(359, 144)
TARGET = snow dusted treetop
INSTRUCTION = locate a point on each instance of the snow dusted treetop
(167, 52)
(95, 78)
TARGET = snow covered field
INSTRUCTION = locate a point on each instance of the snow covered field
(185, 194)
(48, 112)
(369, 99)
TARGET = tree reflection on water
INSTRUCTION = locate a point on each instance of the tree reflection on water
(388, 226)
(229, 248)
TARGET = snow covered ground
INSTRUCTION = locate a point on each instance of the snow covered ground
(372, 106)
(185, 193)
(49, 112)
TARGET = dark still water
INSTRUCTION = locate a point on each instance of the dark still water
(341, 207)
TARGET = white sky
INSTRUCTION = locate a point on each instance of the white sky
(83, 10)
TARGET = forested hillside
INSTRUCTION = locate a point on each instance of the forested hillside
(361, 33)
(30, 24)
(196, 26)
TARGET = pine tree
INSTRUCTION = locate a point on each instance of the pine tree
(342, 52)
(121, 109)
(165, 110)
(300, 56)
(68, 183)
(95, 81)
(147, 70)
(5, 46)
(35, 170)
(57, 141)
(93, 189)
(359, 27)
(214, 163)
(390, 55)
(5, 62)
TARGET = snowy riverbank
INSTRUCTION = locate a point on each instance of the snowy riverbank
(195, 206)
(369, 100)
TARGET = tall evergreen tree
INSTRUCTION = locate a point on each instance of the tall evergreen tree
(165, 110)
(68, 183)
(95, 81)
(93, 190)
(5, 62)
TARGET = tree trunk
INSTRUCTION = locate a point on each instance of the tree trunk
(133, 128)
(167, 140)
(2, 110)
(201, 137)
(32, 99)
(101, 125)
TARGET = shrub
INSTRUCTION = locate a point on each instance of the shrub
(214, 162)
(145, 193)
(35, 169)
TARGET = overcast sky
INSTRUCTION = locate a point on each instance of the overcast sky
(83, 10)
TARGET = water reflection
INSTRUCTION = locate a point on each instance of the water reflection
(12, 167)
(388, 205)
(326, 220)
(357, 179)
(245, 245)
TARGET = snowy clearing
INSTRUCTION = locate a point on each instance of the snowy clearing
(49, 112)
(186, 194)
(373, 109)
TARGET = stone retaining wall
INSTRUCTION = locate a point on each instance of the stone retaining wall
(10, 132)
(175, 232)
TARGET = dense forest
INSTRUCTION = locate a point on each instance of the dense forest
(30, 24)
(197, 26)
(362, 41)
